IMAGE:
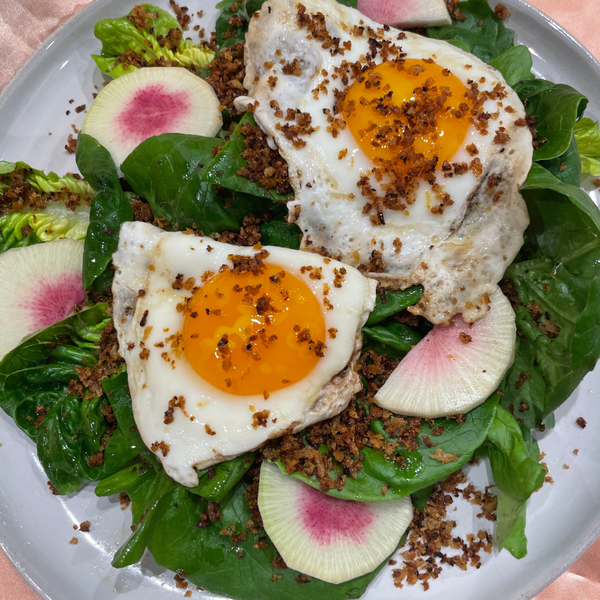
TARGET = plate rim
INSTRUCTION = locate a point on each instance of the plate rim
(81, 15)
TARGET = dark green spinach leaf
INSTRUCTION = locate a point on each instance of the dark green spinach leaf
(566, 167)
(514, 456)
(168, 171)
(541, 179)
(232, 23)
(34, 391)
(397, 335)
(556, 107)
(166, 517)
(236, 570)
(71, 435)
(216, 483)
(223, 169)
(280, 233)
(515, 64)
(421, 470)
(390, 303)
(38, 371)
(145, 487)
(117, 392)
(558, 306)
(420, 497)
(482, 31)
(110, 207)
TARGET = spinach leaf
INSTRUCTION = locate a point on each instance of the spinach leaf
(223, 169)
(280, 233)
(38, 371)
(510, 525)
(110, 207)
(397, 335)
(71, 435)
(253, 5)
(370, 344)
(514, 456)
(557, 307)
(390, 303)
(145, 488)
(225, 477)
(556, 107)
(420, 470)
(460, 44)
(482, 31)
(566, 167)
(237, 570)
(232, 22)
(541, 179)
(117, 392)
(420, 497)
(168, 171)
(587, 134)
(515, 64)
(166, 517)
(34, 391)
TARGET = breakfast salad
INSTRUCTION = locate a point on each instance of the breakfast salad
(313, 265)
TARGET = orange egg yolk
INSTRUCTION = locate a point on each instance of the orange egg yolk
(249, 334)
(416, 104)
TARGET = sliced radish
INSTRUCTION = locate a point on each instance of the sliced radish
(454, 368)
(148, 102)
(324, 537)
(40, 286)
(406, 13)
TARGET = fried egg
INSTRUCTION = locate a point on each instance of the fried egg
(228, 346)
(405, 153)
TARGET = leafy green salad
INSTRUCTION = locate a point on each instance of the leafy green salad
(83, 426)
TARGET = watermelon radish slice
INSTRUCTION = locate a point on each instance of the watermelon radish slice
(331, 539)
(454, 368)
(148, 102)
(39, 286)
(406, 14)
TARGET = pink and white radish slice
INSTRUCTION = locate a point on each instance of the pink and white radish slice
(331, 539)
(39, 286)
(454, 368)
(406, 14)
(149, 102)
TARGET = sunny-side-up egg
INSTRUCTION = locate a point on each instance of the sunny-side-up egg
(405, 153)
(228, 346)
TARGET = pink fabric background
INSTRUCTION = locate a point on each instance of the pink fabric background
(579, 17)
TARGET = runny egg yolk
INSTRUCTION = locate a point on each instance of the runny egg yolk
(415, 104)
(249, 334)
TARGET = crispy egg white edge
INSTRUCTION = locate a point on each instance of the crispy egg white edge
(153, 382)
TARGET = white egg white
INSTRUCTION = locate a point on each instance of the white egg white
(459, 255)
(150, 259)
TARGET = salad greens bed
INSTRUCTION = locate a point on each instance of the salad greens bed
(554, 285)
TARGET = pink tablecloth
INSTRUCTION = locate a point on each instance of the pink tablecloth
(580, 17)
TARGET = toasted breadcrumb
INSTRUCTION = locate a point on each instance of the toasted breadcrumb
(431, 532)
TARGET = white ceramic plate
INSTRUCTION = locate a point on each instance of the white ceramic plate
(35, 527)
